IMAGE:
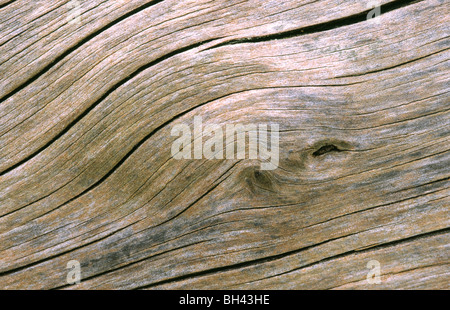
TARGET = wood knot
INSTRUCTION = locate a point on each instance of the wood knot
(262, 178)
(259, 180)
(328, 148)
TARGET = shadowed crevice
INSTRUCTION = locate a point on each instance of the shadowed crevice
(337, 23)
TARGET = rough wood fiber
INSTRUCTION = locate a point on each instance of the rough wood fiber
(86, 171)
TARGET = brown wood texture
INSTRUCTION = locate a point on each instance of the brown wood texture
(86, 171)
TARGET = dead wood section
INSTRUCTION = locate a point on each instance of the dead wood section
(87, 174)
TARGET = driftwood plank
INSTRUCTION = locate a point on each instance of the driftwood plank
(90, 95)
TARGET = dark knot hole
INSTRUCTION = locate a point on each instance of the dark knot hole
(328, 148)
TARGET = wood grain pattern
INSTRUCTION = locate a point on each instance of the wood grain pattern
(86, 171)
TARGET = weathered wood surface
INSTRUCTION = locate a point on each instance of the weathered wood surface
(86, 171)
